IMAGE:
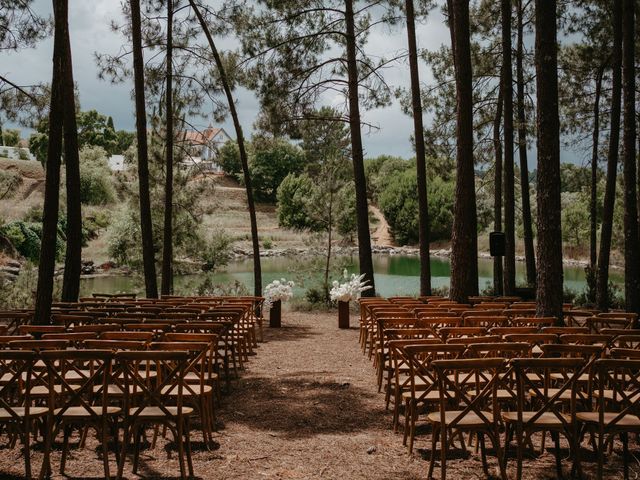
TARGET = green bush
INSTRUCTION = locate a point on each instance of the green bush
(217, 250)
(96, 185)
(9, 182)
(399, 204)
(271, 162)
(26, 238)
(229, 159)
(293, 194)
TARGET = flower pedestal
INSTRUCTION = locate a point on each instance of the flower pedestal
(275, 314)
(343, 314)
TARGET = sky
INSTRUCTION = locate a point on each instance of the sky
(91, 33)
(89, 23)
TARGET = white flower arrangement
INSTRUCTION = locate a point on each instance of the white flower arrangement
(349, 290)
(278, 290)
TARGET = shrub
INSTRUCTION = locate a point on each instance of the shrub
(9, 182)
(217, 251)
(96, 186)
(293, 194)
(229, 159)
(271, 162)
(25, 237)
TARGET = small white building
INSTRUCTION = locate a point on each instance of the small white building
(116, 163)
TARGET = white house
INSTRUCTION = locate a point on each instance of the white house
(203, 147)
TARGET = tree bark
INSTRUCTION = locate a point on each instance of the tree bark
(47, 263)
(362, 209)
(593, 206)
(167, 241)
(530, 258)
(497, 196)
(464, 239)
(244, 159)
(550, 274)
(509, 193)
(73, 255)
(631, 240)
(602, 277)
(146, 226)
(421, 167)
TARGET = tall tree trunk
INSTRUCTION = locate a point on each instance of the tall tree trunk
(631, 240)
(464, 239)
(47, 263)
(550, 274)
(497, 196)
(166, 287)
(509, 193)
(529, 254)
(244, 159)
(593, 206)
(421, 167)
(362, 209)
(146, 226)
(73, 255)
(602, 276)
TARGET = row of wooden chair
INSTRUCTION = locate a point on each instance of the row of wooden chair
(500, 380)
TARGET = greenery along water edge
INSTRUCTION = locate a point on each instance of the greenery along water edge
(395, 275)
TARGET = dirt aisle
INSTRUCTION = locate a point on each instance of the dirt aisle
(307, 407)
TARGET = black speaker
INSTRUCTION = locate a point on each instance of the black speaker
(496, 244)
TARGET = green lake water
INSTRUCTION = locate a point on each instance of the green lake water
(394, 275)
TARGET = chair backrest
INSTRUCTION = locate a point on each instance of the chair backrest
(16, 369)
(626, 341)
(135, 336)
(115, 345)
(586, 339)
(39, 345)
(89, 370)
(597, 323)
(495, 350)
(535, 376)
(472, 340)
(139, 393)
(97, 328)
(503, 331)
(537, 322)
(564, 330)
(473, 384)
(622, 376)
(453, 332)
(36, 330)
(486, 321)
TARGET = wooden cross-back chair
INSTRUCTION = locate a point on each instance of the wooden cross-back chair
(536, 322)
(617, 382)
(477, 414)
(153, 403)
(544, 413)
(486, 321)
(598, 323)
(420, 389)
(79, 403)
(16, 409)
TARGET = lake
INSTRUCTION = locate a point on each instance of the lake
(394, 275)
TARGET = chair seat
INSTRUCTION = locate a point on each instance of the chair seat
(187, 390)
(501, 394)
(81, 412)
(594, 417)
(432, 396)
(21, 412)
(194, 377)
(116, 390)
(471, 419)
(608, 395)
(547, 419)
(158, 413)
(43, 390)
(558, 376)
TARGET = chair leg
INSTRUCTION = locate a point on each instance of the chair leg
(104, 440)
(45, 468)
(443, 452)
(520, 447)
(187, 438)
(556, 440)
(27, 449)
(435, 432)
(407, 413)
(136, 448)
(65, 448)
(123, 452)
(483, 452)
(179, 436)
(624, 437)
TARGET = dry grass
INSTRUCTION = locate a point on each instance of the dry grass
(306, 407)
